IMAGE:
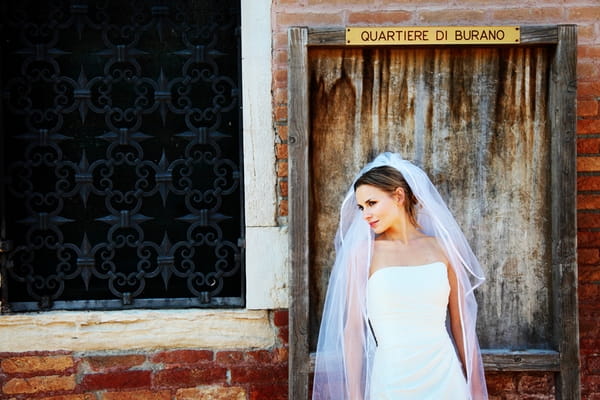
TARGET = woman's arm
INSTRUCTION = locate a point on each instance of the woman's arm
(353, 342)
(455, 320)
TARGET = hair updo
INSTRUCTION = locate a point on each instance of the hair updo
(389, 179)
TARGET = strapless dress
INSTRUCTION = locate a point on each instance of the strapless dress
(415, 358)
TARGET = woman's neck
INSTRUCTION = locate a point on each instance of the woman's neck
(401, 233)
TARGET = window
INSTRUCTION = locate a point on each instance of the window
(121, 131)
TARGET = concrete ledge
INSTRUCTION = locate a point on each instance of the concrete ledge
(139, 329)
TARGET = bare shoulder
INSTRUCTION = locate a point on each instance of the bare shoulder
(432, 246)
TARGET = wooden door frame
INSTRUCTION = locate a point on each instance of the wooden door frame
(564, 360)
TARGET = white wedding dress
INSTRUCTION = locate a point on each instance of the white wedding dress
(415, 358)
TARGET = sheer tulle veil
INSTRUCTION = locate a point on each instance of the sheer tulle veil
(346, 345)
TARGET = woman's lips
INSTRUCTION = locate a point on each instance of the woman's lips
(372, 224)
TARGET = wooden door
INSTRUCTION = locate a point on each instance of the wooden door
(493, 127)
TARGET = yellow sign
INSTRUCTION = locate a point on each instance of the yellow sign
(433, 35)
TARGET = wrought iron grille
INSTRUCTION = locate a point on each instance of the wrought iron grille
(121, 138)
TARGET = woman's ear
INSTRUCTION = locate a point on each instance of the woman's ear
(399, 195)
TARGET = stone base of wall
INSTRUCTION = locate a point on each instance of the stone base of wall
(192, 374)
(520, 385)
(181, 374)
(167, 375)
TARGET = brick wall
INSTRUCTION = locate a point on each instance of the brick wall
(181, 374)
(584, 13)
(262, 373)
(588, 216)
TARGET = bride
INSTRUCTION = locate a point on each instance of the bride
(399, 316)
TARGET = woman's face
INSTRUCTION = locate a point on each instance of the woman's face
(380, 209)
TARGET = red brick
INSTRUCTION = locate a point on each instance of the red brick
(455, 17)
(280, 113)
(588, 126)
(588, 90)
(498, 383)
(280, 96)
(588, 239)
(280, 40)
(117, 380)
(590, 313)
(71, 397)
(589, 292)
(379, 18)
(283, 187)
(588, 202)
(589, 334)
(211, 393)
(281, 151)
(593, 364)
(284, 333)
(588, 69)
(282, 169)
(259, 374)
(275, 356)
(589, 339)
(394, 3)
(187, 377)
(540, 383)
(588, 145)
(280, 61)
(588, 164)
(587, 256)
(281, 318)
(39, 384)
(588, 183)
(328, 3)
(116, 362)
(586, 34)
(183, 356)
(590, 273)
(309, 19)
(260, 356)
(33, 364)
(282, 131)
(588, 220)
(229, 357)
(588, 51)
(591, 383)
(589, 343)
(281, 355)
(587, 108)
(576, 14)
(138, 395)
(277, 391)
(521, 14)
(283, 211)
(280, 78)
(505, 3)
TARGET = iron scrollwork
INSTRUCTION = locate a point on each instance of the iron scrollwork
(121, 129)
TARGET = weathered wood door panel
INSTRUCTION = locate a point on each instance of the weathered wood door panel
(494, 127)
(475, 120)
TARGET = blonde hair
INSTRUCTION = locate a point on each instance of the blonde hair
(389, 179)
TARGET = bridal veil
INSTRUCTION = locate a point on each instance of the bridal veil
(346, 345)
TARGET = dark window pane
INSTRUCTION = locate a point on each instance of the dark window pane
(121, 138)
